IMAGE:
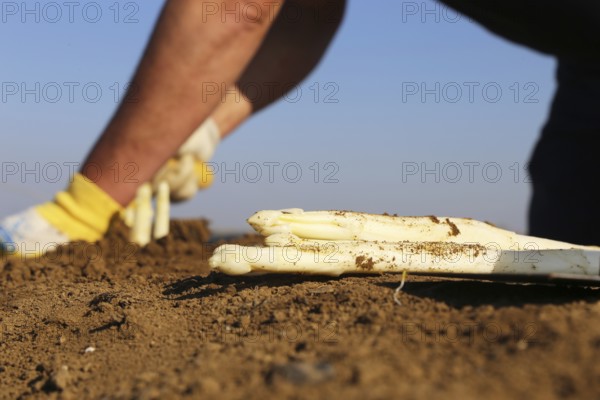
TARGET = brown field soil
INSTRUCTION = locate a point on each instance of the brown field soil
(116, 322)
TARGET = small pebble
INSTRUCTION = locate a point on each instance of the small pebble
(59, 380)
(304, 373)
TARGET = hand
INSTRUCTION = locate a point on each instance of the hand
(80, 213)
(187, 171)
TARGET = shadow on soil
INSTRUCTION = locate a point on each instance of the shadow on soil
(199, 287)
(453, 292)
(463, 293)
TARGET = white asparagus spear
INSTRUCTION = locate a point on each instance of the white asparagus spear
(142, 224)
(346, 225)
(161, 223)
(129, 215)
(289, 254)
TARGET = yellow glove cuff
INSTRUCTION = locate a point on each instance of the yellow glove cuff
(204, 175)
(82, 212)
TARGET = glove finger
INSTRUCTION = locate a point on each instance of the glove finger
(181, 173)
(185, 180)
(204, 175)
(184, 192)
(163, 174)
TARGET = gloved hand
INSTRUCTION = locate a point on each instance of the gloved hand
(187, 171)
(82, 212)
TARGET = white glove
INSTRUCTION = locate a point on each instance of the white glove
(28, 233)
(187, 171)
(81, 212)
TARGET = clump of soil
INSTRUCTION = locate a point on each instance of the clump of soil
(111, 320)
(185, 250)
(454, 231)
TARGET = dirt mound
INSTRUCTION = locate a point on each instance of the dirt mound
(111, 320)
(115, 257)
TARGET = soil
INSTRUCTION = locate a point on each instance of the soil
(114, 321)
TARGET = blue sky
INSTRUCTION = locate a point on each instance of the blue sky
(418, 111)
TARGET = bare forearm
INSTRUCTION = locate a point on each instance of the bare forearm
(291, 50)
(183, 55)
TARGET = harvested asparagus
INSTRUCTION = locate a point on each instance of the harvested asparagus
(142, 223)
(335, 242)
(161, 224)
(140, 216)
(347, 225)
(287, 254)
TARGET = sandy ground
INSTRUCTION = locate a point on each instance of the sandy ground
(114, 321)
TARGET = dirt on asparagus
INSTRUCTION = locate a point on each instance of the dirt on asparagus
(113, 321)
